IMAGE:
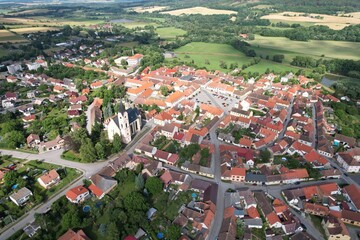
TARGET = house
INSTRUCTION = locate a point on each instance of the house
(352, 193)
(77, 194)
(134, 60)
(126, 123)
(350, 217)
(93, 114)
(348, 162)
(273, 220)
(55, 144)
(13, 68)
(237, 174)
(33, 140)
(101, 185)
(72, 235)
(31, 229)
(316, 209)
(335, 228)
(49, 179)
(21, 196)
(11, 79)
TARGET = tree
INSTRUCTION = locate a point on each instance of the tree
(278, 58)
(134, 201)
(11, 178)
(139, 181)
(87, 151)
(265, 155)
(164, 90)
(116, 144)
(154, 185)
(13, 139)
(100, 151)
(173, 232)
(70, 219)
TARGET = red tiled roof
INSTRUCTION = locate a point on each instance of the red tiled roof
(73, 193)
(95, 190)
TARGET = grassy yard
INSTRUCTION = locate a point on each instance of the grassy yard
(214, 53)
(316, 49)
(170, 33)
(71, 156)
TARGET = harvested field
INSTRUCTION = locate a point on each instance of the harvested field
(198, 10)
(334, 22)
(33, 30)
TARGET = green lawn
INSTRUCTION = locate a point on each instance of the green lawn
(71, 156)
(170, 33)
(214, 53)
(314, 48)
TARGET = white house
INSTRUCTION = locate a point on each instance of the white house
(49, 179)
(77, 194)
(135, 60)
(348, 162)
(21, 196)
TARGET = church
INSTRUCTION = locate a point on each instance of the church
(126, 123)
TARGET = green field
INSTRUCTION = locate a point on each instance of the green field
(329, 49)
(215, 53)
(170, 33)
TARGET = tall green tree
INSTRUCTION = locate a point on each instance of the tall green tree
(154, 185)
(87, 151)
(116, 144)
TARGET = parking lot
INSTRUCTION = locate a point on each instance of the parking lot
(208, 97)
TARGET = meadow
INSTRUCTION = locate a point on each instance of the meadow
(313, 48)
(209, 55)
(333, 22)
(213, 53)
(198, 10)
(170, 33)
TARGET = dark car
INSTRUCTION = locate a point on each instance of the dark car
(297, 183)
(346, 174)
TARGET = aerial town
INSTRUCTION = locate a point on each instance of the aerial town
(99, 142)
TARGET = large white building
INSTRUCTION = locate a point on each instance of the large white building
(348, 162)
(126, 123)
(13, 68)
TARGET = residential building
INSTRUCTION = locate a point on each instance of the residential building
(21, 196)
(49, 179)
(72, 235)
(77, 194)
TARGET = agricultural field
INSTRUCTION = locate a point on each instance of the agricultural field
(170, 33)
(7, 36)
(33, 30)
(149, 9)
(313, 48)
(333, 22)
(213, 53)
(31, 12)
(198, 10)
